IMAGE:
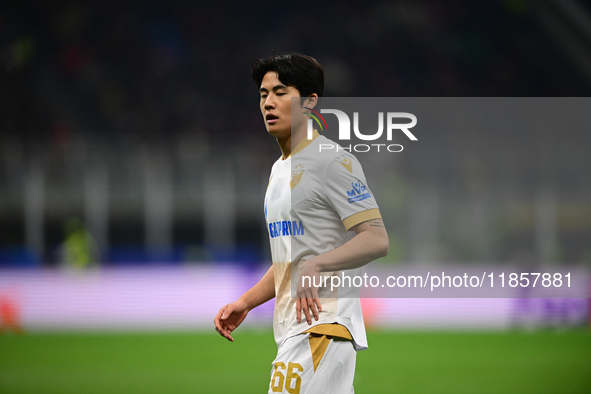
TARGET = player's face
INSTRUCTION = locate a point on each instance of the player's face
(276, 104)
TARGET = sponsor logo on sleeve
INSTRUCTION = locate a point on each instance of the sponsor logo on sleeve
(358, 193)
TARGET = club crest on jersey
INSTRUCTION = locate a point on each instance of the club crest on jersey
(296, 175)
(358, 192)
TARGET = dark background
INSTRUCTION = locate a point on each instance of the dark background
(141, 120)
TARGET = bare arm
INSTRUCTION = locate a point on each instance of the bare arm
(370, 243)
(230, 316)
(262, 292)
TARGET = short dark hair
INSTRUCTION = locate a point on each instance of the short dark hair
(293, 69)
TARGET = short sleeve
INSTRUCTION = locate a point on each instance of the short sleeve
(346, 190)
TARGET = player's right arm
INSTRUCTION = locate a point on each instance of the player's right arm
(232, 315)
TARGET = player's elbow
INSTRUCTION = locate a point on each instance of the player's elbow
(382, 245)
(385, 249)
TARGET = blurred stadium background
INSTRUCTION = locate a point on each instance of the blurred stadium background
(133, 163)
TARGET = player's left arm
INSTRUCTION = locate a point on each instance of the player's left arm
(370, 243)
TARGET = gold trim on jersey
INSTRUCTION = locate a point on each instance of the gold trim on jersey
(304, 143)
(348, 164)
(361, 217)
(333, 330)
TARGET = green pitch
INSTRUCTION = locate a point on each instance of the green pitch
(397, 362)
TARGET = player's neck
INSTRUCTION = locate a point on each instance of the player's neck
(285, 146)
(289, 143)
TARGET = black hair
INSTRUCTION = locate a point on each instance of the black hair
(293, 69)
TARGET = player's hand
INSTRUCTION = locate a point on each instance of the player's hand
(307, 294)
(229, 318)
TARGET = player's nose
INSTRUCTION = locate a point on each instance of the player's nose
(269, 103)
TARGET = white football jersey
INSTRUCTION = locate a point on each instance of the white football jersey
(313, 200)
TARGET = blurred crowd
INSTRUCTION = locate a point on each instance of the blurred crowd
(143, 71)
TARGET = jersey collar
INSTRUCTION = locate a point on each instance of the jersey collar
(303, 144)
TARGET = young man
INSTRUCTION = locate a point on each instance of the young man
(315, 230)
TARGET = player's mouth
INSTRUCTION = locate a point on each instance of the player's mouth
(271, 119)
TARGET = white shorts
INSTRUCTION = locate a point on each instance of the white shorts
(312, 363)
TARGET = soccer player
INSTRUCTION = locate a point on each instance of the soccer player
(316, 229)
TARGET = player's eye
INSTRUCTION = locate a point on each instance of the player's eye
(263, 96)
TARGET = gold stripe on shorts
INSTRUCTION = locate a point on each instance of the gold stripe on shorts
(320, 337)
(318, 346)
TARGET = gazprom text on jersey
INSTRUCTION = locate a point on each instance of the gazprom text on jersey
(286, 227)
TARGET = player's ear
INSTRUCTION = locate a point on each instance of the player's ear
(311, 101)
